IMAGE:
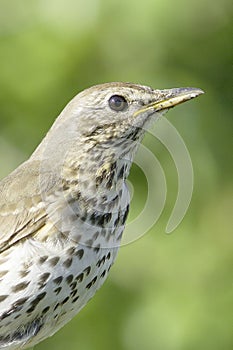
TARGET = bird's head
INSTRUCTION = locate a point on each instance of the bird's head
(111, 113)
(103, 125)
(119, 110)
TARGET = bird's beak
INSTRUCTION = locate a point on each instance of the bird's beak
(165, 99)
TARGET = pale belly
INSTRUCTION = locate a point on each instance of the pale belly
(41, 290)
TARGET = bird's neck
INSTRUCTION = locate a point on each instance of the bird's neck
(91, 172)
(96, 176)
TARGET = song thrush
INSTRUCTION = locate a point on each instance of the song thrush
(63, 211)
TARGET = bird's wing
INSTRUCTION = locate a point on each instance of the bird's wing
(21, 206)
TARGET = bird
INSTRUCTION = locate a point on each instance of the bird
(63, 211)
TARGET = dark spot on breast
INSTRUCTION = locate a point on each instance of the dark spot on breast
(3, 273)
(113, 166)
(3, 260)
(89, 285)
(121, 172)
(100, 219)
(43, 259)
(108, 236)
(35, 302)
(45, 310)
(65, 186)
(77, 238)
(70, 251)
(57, 290)
(65, 300)
(83, 218)
(43, 278)
(103, 273)
(101, 261)
(75, 299)
(87, 270)
(39, 297)
(3, 297)
(69, 278)
(97, 248)
(20, 302)
(116, 222)
(17, 306)
(58, 280)
(103, 232)
(17, 316)
(134, 134)
(24, 273)
(95, 236)
(107, 217)
(67, 263)
(99, 179)
(73, 285)
(109, 183)
(74, 292)
(94, 218)
(79, 253)
(125, 215)
(53, 261)
(115, 198)
(89, 243)
(19, 287)
(120, 236)
(56, 306)
(109, 267)
(79, 278)
(104, 198)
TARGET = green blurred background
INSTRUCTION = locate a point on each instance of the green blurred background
(165, 292)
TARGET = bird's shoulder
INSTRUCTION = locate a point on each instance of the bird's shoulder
(21, 204)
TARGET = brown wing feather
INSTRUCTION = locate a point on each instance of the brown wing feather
(21, 205)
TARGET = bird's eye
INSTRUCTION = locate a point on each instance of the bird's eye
(117, 103)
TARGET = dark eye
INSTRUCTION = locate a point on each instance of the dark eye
(117, 103)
